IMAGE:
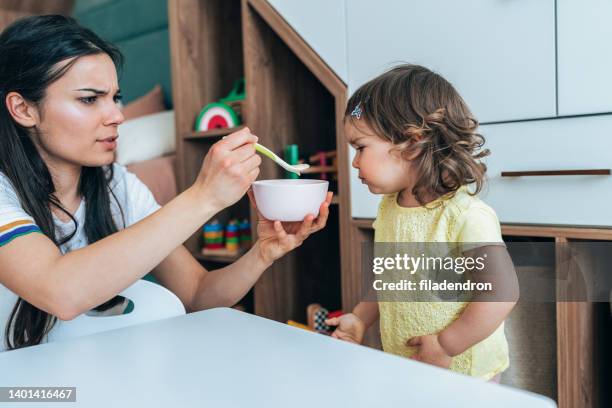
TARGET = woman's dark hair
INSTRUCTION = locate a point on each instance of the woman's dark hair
(31, 50)
(425, 117)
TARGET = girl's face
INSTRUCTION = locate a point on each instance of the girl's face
(79, 116)
(379, 165)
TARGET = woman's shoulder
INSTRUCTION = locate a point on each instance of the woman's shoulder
(7, 190)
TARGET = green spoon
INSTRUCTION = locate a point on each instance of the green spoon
(297, 168)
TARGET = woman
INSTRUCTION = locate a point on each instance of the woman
(76, 229)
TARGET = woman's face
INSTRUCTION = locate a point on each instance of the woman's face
(79, 115)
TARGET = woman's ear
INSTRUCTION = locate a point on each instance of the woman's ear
(21, 110)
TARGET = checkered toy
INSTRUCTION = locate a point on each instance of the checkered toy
(317, 316)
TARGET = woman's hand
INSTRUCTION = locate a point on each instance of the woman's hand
(276, 238)
(430, 351)
(229, 169)
(350, 328)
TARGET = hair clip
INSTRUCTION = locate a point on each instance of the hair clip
(357, 112)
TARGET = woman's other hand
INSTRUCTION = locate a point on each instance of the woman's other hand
(229, 169)
(276, 238)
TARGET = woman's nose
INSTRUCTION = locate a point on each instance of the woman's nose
(114, 115)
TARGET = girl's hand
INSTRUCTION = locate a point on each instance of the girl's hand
(350, 328)
(277, 238)
(430, 351)
(228, 170)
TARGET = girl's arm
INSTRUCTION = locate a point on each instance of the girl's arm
(477, 322)
(482, 317)
(68, 285)
(367, 312)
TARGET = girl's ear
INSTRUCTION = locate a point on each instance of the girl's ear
(408, 150)
(21, 110)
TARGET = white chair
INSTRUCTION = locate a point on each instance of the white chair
(151, 302)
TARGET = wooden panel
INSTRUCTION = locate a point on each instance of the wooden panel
(576, 380)
(562, 232)
(293, 97)
(206, 55)
(39, 7)
(8, 16)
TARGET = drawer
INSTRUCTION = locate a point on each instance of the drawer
(558, 144)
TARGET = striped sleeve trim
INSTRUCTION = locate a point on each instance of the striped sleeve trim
(16, 229)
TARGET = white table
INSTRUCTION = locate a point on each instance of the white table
(225, 358)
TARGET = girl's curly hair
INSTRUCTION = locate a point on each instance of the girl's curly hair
(425, 118)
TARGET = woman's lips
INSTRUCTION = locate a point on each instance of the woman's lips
(110, 142)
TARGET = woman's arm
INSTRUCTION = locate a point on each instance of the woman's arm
(199, 289)
(68, 285)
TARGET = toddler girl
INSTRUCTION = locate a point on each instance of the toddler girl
(417, 145)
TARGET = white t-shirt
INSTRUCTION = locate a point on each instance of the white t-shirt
(135, 199)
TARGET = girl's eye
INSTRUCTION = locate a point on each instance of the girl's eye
(359, 148)
(88, 100)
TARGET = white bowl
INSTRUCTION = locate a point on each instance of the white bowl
(289, 199)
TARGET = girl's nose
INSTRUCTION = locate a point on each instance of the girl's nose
(355, 162)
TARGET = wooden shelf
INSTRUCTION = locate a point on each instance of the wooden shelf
(363, 223)
(212, 134)
(215, 42)
(557, 231)
(282, 71)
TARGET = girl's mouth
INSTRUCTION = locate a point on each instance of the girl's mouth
(110, 142)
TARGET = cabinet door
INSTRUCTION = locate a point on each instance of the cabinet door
(322, 24)
(584, 56)
(569, 144)
(499, 54)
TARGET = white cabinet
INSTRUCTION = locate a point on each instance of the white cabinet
(322, 24)
(558, 144)
(584, 37)
(499, 54)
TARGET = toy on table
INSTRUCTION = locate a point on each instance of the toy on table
(213, 235)
(319, 163)
(226, 113)
(316, 315)
(230, 240)
(291, 157)
(232, 236)
(245, 233)
(298, 325)
(235, 98)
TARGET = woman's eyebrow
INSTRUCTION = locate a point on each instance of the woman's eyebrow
(97, 91)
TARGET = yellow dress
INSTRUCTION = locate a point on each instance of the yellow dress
(456, 219)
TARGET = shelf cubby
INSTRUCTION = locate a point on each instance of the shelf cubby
(292, 98)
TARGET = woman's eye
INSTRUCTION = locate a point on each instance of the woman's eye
(88, 100)
(118, 98)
